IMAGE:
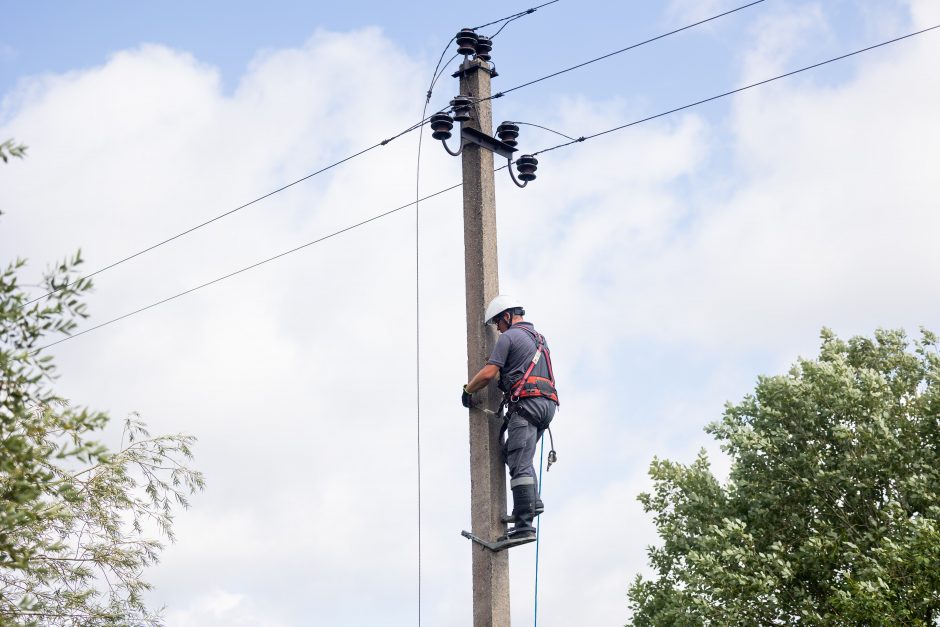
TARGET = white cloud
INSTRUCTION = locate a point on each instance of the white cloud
(668, 264)
(827, 218)
(780, 35)
(224, 609)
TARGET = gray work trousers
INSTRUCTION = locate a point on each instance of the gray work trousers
(522, 436)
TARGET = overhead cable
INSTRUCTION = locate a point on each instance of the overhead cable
(514, 16)
(452, 187)
(544, 128)
(384, 142)
(502, 93)
(227, 213)
(417, 202)
(441, 66)
(734, 91)
(246, 268)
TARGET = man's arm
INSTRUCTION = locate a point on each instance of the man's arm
(488, 372)
(482, 379)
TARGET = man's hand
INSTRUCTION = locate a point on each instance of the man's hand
(466, 399)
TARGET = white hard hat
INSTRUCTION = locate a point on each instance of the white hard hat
(498, 305)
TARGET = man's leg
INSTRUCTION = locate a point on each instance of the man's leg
(520, 449)
(541, 411)
(539, 505)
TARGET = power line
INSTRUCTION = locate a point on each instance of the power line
(493, 36)
(514, 16)
(424, 112)
(452, 187)
(506, 20)
(227, 213)
(439, 69)
(574, 67)
(584, 138)
(544, 128)
(384, 142)
(500, 94)
(246, 268)
(439, 74)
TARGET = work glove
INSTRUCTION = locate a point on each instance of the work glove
(466, 399)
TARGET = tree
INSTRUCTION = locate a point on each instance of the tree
(10, 148)
(77, 522)
(831, 512)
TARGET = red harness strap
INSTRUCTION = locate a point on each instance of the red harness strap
(530, 386)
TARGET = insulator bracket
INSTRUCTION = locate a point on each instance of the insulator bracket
(483, 140)
(472, 65)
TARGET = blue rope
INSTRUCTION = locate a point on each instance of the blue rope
(538, 536)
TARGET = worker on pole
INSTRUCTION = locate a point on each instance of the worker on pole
(522, 362)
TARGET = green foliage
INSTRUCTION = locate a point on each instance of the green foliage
(10, 148)
(77, 522)
(831, 513)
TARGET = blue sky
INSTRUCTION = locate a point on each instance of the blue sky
(59, 37)
(669, 264)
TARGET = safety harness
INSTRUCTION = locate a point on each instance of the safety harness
(531, 386)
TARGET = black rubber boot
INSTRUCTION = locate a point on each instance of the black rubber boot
(523, 511)
(539, 508)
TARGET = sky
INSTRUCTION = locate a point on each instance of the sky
(669, 264)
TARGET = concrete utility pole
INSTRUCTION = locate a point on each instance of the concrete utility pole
(487, 475)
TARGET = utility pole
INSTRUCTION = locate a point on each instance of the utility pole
(473, 109)
(487, 473)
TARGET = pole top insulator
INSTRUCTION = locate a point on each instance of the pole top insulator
(466, 41)
(483, 48)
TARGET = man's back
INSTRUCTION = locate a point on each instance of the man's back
(513, 353)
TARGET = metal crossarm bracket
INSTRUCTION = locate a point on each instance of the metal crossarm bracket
(497, 546)
(483, 140)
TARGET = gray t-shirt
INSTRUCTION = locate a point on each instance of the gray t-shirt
(512, 354)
